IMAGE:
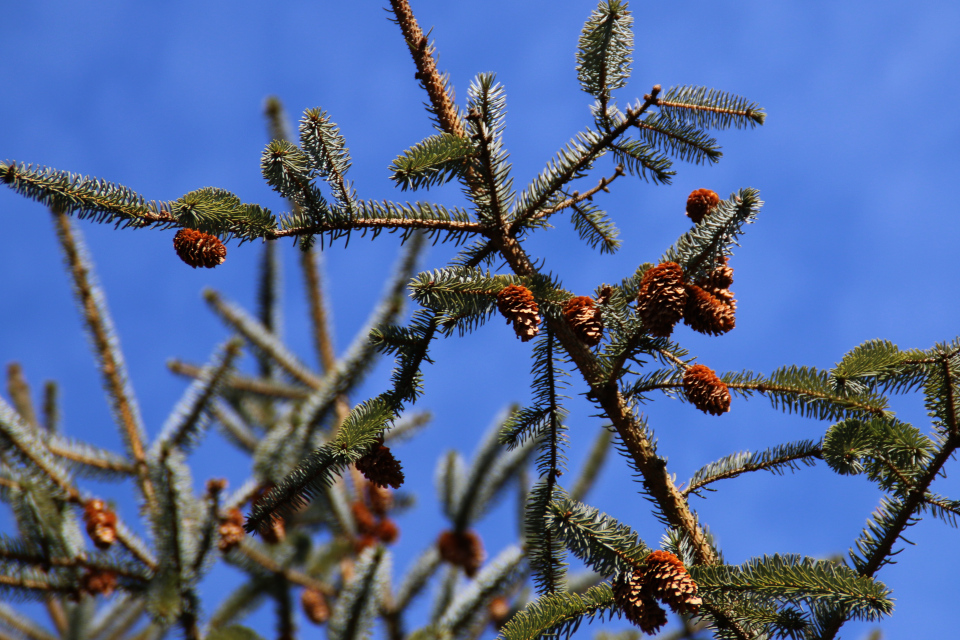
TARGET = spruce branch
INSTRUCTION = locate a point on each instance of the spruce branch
(706, 108)
(430, 78)
(576, 197)
(19, 392)
(88, 198)
(777, 460)
(572, 161)
(319, 316)
(558, 614)
(603, 52)
(106, 348)
(260, 338)
(241, 383)
(432, 162)
(321, 140)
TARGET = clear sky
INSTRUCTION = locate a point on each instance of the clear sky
(857, 165)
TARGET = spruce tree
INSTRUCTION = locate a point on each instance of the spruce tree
(314, 520)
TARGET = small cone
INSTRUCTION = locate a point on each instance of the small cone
(230, 530)
(101, 523)
(705, 390)
(462, 550)
(721, 277)
(708, 313)
(640, 608)
(700, 203)
(315, 606)
(662, 298)
(667, 580)
(388, 531)
(585, 319)
(199, 249)
(517, 305)
(96, 582)
(363, 518)
(380, 467)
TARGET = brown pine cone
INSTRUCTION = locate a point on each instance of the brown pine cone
(366, 523)
(667, 580)
(315, 606)
(380, 467)
(706, 312)
(388, 531)
(462, 550)
(230, 530)
(517, 305)
(705, 390)
(96, 582)
(101, 523)
(721, 277)
(640, 608)
(199, 249)
(662, 298)
(585, 319)
(700, 203)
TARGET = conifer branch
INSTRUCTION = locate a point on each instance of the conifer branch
(242, 383)
(10, 619)
(320, 324)
(19, 392)
(259, 337)
(106, 348)
(427, 73)
(586, 149)
(776, 460)
(88, 457)
(22, 441)
(255, 554)
(576, 197)
(87, 197)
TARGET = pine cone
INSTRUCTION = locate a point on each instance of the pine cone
(230, 530)
(517, 305)
(366, 523)
(662, 298)
(101, 523)
(499, 610)
(388, 531)
(700, 202)
(585, 319)
(667, 580)
(640, 608)
(199, 249)
(96, 582)
(380, 498)
(707, 312)
(462, 550)
(380, 467)
(721, 277)
(315, 606)
(705, 390)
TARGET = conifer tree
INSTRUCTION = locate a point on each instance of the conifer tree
(312, 526)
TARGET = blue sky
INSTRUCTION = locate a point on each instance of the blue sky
(857, 165)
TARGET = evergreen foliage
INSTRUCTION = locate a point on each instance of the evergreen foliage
(320, 460)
